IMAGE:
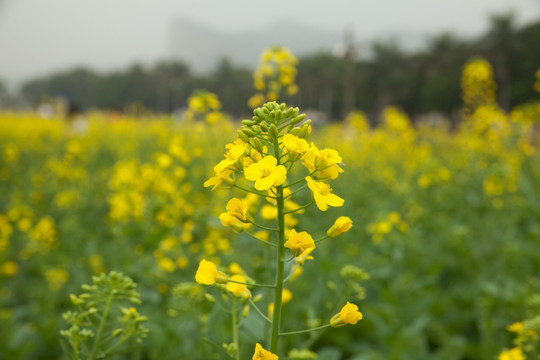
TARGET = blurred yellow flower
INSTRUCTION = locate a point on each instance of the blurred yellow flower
(239, 290)
(512, 354)
(341, 225)
(207, 274)
(349, 314)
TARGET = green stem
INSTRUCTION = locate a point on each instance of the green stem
(322, 238)
(115, 346)
(297, 190)
(252, 191)
(293, 270)
(259, 311)
(235, 328)
(278, 291)
(305, 331)
(252, 284)
(102, 325)
(261, 226)
(261, 240)
(300, 180)
(300, 208)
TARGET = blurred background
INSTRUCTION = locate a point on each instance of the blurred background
(114, 113)
(104, 54)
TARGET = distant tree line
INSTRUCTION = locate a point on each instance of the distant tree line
(420, 82)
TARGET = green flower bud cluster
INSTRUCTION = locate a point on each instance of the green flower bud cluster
(273, 119)
(101, 326)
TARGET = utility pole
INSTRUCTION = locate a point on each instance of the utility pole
(349, 57)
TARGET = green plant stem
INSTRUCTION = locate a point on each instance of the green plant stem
(102, 325)
(259, 311)
(278, 291)
(252, 191)
(293, 270)
(297, 190)
(251, 284)
(261, 226)
(115, 346)
(235, 328)
(306, 330)
(300, 208)
(261, 240)
(322, 238)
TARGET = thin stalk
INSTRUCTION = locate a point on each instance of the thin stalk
(305, 331)
(300, 208)
(293, 270)
(252, 284)
(235, 328)
(297, 190)
(252, 191)
(259, 311)
(261, 240)
(262, 227)
(300, 180)
(102, 325)
(322, 238)
(278, 291)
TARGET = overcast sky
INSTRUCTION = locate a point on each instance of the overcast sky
(38, 36)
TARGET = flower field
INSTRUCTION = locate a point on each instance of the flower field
(441, 259)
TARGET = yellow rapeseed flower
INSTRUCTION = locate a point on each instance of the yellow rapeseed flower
(238, 209)
(298, 242)
(207, 274)
(262, 354)
(304, 255)
(322, 193)
(342, 224)
(349, 314)
(266, 173)
(296, 147)
(239, 290)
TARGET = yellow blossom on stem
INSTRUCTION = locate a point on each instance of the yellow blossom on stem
(262, 354)
(232, 221)
(349, 314)
(239, 290)
(323, 163)
(298, 242)
(266, 174)
(342, 224)
(304, 255)
(238, 209)
(296, 147)
(207, 274)
(322, 193)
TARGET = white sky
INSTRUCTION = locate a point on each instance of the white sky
(38, 36)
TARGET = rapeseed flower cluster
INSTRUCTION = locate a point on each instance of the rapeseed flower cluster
(259, 162)
(275, 76)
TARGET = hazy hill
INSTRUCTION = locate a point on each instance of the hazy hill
(202, 47)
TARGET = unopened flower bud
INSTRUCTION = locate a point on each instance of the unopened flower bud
(298, 118)
(245, 311)
(242, 136)
(210, 298)
(341, 225)
(273, 131)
